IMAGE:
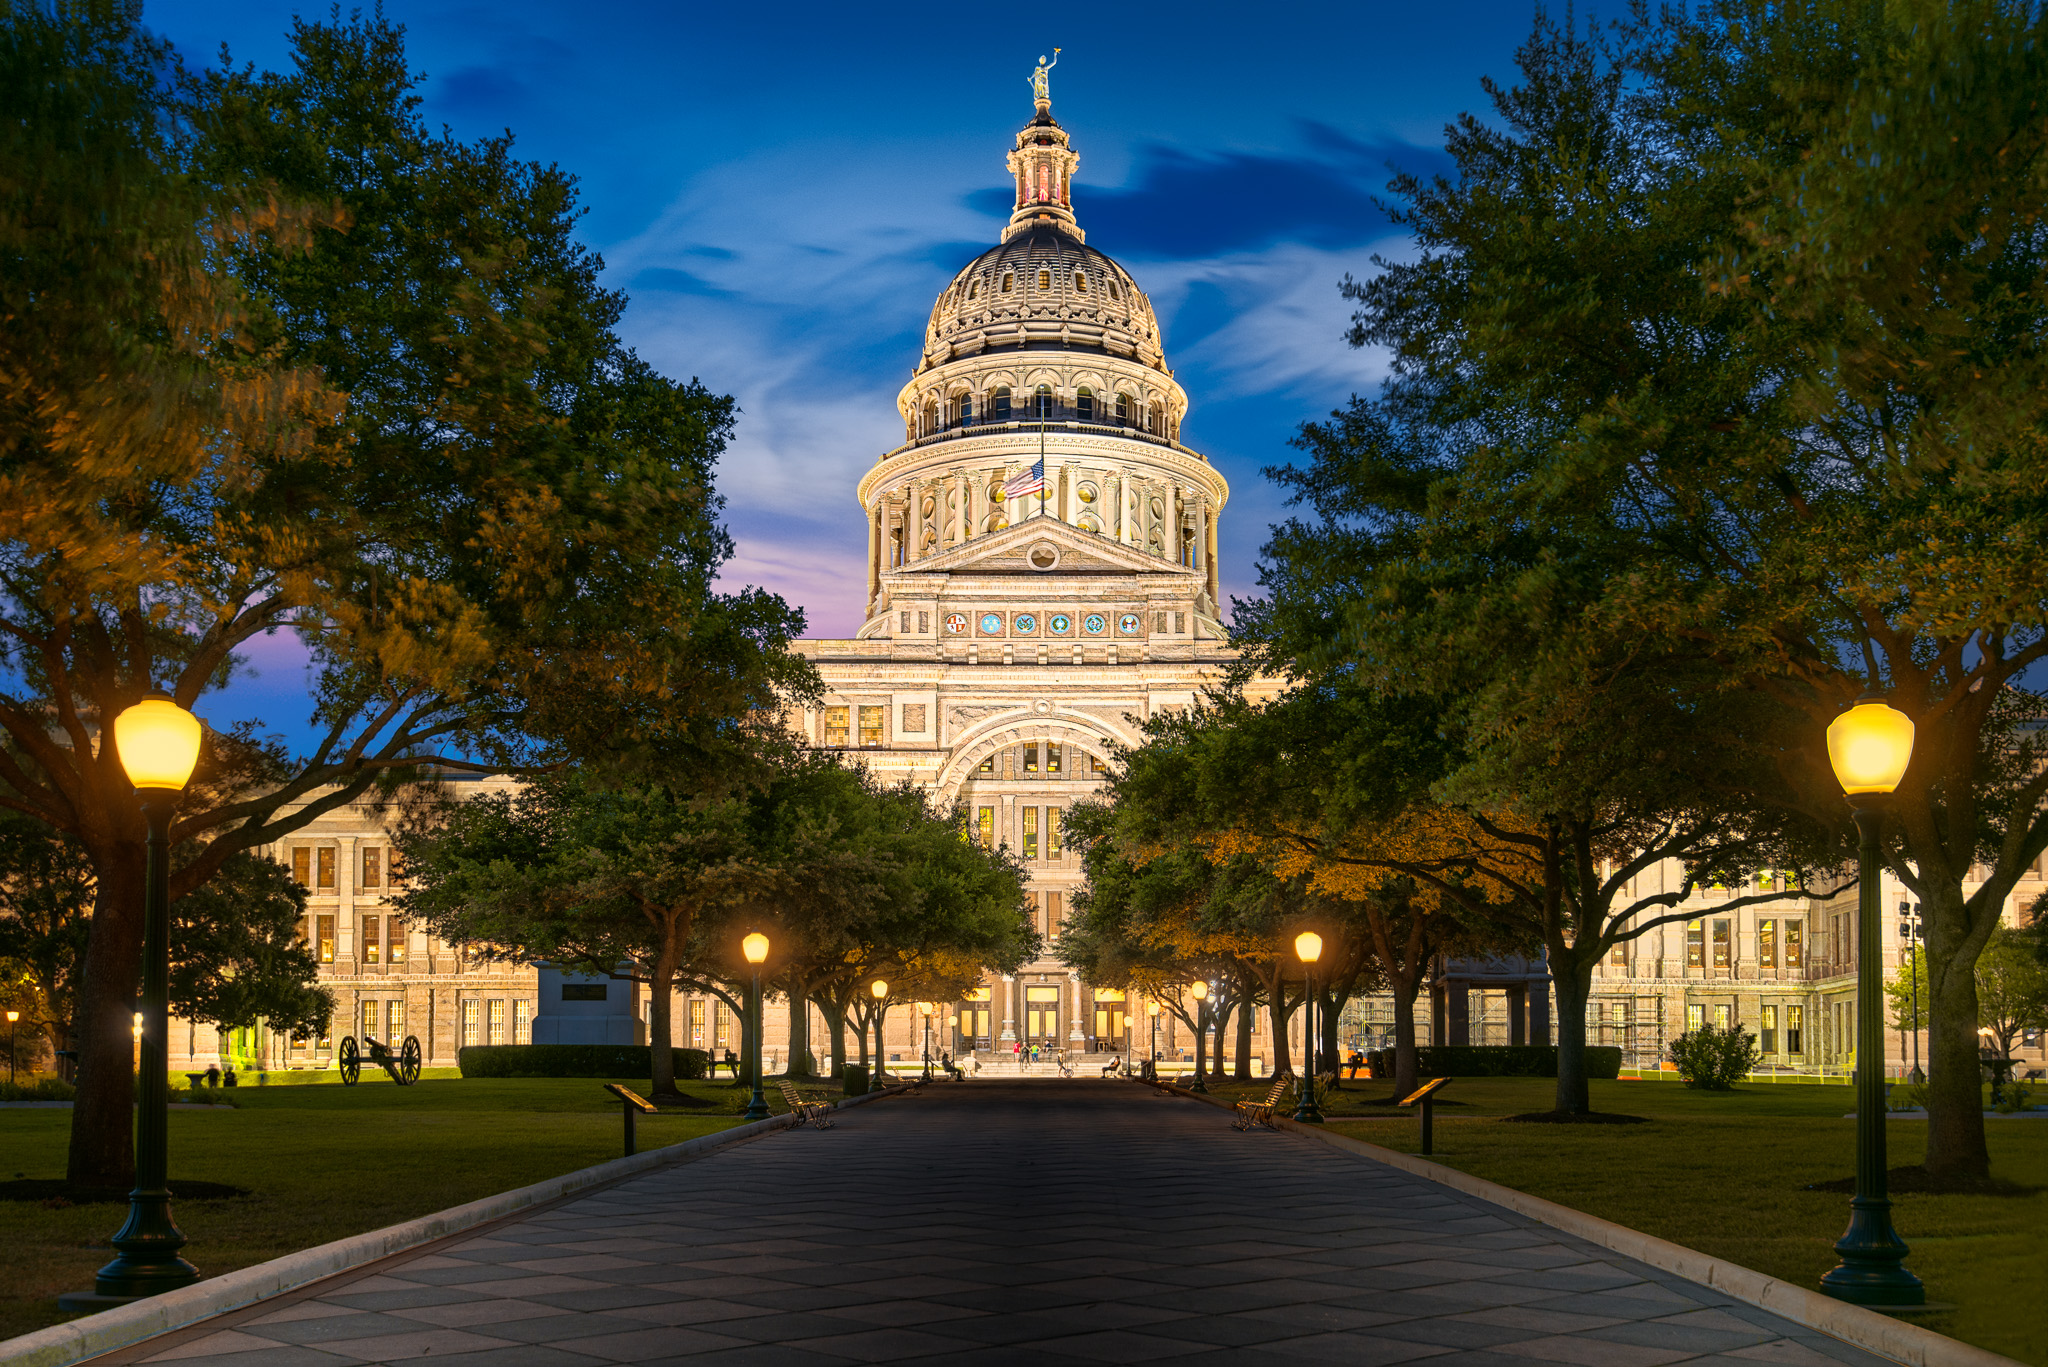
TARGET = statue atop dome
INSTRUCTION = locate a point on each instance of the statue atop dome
(1041, 82)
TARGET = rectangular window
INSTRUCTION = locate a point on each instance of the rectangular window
(522, 1021)
(394, 1020)
(469, 1030)
(1096, 766)
(323, 864)
(1769, 1042)
(372, 928)
(1052, 759)
(323, 938)
(1031, 910)
(1052, 831)
(1695, 1018)
(871, 724)
(373, 1022)
(836, 725)
(302, 865)
(394, 940)
(1795, 1016)
(987, 766)
(497, 1018)
(723, 1040)
(1031, 832)
(1695, 944)
(1619, 958)
(1794, 958)
(1721, 945)
(1721, 1017)
(1055, 921)
(1031, 758)
(373, 866)
(697, 1024)
(394, 869)
(1767, 944)
(985, 822)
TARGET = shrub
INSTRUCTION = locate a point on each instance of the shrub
(38, 1089)
(1497, 1060)
(573, 1060)
(1711, 1059)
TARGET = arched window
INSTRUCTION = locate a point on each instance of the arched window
(1008, 281)
(1084, 405)
(999, 405)
(1087, 523)
(1081, 282)
(931, 418)
(1045, 279)
(1123, 409)
(963, 410)
(1042, 401)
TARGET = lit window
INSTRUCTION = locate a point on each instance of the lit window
(871, 725)
(1096, 766)
(497, 1020)
(836, 724)
(1695, 1018)
(985, 822)
(697, 1024)
(1031, 832)
(1052, 832)
(372, 926)
(324, 864)
(1619, 958)
(1721, 938)
(323, 938)
(1795, 1016)
(1081, 282)
(1052, 752)
(394, 1020)
(1721, 1018)
(1695, 944)
(394, 940)
(522, 1022)
(1031, 758)
(302, 865)
(723, 1039)
(1767, 943)
(987, 765)
(1054, 921)
(1795, 935)
(1045, 280)
(1769, 1042)
(373, 866)
(372, 1020)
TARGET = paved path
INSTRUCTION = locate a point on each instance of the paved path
(1021, 1222)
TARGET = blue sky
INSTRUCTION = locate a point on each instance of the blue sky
(783, 190)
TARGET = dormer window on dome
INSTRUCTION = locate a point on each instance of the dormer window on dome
(1081, 282)
(1045, 279)
(1008, 280)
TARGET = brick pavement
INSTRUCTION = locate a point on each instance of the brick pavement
(1010, 1222)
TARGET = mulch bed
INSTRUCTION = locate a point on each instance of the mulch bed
(1916, 1181)
(1570, 1118)
(56, 1193)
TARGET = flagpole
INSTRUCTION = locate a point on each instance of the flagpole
(1041, 464)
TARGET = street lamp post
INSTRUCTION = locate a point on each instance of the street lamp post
(158, 742)
(1308, 947)
(881, 991)
(12, 1017)
(925, 1009)
(755, 947)
(953, 1033)
(1869, 747)
(1200, 992)
(1152, 1010)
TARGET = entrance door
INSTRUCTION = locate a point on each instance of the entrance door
(1109, 1021)
(1042, 1014)
(974, 1011)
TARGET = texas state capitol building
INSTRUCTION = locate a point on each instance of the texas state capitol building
(1009, 640)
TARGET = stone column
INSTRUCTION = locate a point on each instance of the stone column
(1458, 1026)
(1215, 587)
(874, 554)
(345, 921)
(1172, 538)
(1111, 497)
(963, 516)
(1009, 1008)
(913, 521)
(1201, 510)
(1074, 1035)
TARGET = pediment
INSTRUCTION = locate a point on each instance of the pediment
(1024, 549)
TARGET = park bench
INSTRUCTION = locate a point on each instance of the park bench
(816, 1114)
(633, 1104)
(404, 1066)
(1425, 1096)
(1250, 1113)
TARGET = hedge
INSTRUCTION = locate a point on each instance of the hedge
(574, 1060)
(1497, 1060)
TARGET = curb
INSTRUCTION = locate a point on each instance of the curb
(1865, 1329)
(61, 1345)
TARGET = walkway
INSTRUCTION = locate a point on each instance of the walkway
(1010, 1222)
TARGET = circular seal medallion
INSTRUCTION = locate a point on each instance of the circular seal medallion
(1094, 623)
(955, 623)
(1025, 624)
(1060, 623)
(1128, 624)
(991, 624)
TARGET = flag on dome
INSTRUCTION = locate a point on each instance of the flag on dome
(1030, 480)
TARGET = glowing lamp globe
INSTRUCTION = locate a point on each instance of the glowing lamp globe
(158, 742)
(1200, 991)
(1308, 946)
(13, 1016)
(879, 988)
(924, 1008)
(755, 947)
(1151, 1008)
(1870, 746)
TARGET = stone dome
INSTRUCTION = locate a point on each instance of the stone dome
(1043, 288)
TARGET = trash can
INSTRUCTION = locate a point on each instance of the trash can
(856, 1083)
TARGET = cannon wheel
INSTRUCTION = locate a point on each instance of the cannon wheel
(409, 1061)
(351, 1061)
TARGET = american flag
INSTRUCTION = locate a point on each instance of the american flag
(1030, 480)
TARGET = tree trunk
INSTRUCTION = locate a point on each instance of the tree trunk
(661, 1057)
(1326, 1032)
(835, 1026)
(1280, 1014)
(103, 1116)
(799, 1065)
(1243, 1070)
(1407, 1067)
(1955, 1098)
(1574, 983)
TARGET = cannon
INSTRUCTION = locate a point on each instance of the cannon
(404, 1066)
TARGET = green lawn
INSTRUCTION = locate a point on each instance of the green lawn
(323, 1162)
(1723, 1172)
